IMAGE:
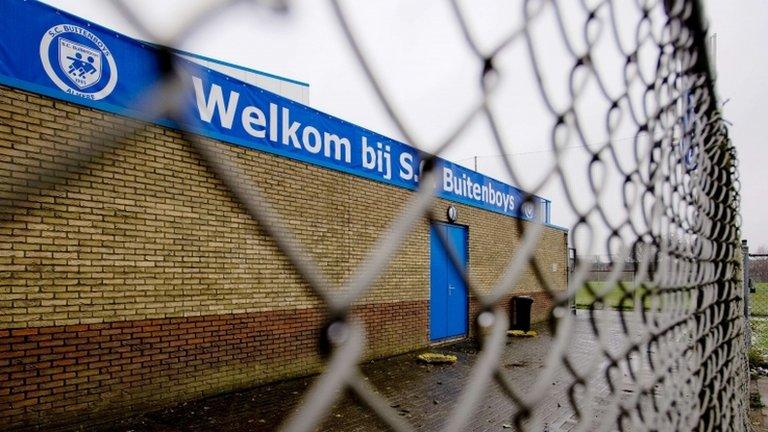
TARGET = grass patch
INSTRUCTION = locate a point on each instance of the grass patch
(756, 357)
(758, 300)
(758, 321)
(759, 327)
(622, 296)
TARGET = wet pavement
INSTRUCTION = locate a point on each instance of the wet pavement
(423, 394)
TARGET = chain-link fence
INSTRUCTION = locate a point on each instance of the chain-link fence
(671, 359)
(756, 276)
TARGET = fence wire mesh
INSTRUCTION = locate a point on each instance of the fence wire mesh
(674, 359)
(757, 305)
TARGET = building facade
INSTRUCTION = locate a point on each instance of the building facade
(131, 278)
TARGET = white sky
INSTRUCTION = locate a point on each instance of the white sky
(432, 78)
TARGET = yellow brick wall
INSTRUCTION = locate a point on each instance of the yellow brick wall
(131, 279)
(143, 229)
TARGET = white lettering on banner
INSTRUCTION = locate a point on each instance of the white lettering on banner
(463, 186)
(369, 155)
(253, 116)
(375, 157)
(289, 132)
(215, 101)
(406, 166)
(292, 133)
(339, 145)
(273, 122)
(312, 147)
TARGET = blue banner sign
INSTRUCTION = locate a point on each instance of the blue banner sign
(50, 52)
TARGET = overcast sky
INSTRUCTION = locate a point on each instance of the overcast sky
(432, 77)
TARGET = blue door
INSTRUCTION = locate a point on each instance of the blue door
(448, 293)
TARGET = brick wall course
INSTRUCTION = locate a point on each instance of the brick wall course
(138, 234)
(126, 366)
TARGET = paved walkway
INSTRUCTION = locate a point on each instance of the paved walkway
(424, 394)
(759, 415)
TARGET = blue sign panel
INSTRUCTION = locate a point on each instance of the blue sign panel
(50, 52)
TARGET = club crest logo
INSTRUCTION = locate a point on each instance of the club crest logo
(528, 210)
(78, 62)
(82, 64)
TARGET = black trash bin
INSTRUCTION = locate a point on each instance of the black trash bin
(521, 313)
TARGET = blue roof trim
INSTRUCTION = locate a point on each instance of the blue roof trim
(557, 227)
(222, 62)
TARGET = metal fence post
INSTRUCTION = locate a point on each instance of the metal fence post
(745, 257)
(571, 262)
